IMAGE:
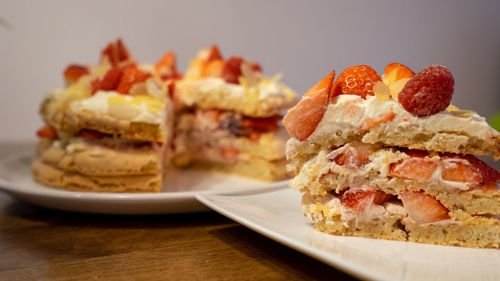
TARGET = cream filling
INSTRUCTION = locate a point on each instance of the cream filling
(380, 161)
(265, 88)
(125, 107)
(331, 206)
(348, 112)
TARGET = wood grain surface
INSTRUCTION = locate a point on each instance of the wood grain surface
(43, 244)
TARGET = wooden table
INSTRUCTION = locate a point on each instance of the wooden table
(38, 244)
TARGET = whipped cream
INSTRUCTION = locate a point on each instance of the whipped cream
(346, 112)
(125, 107)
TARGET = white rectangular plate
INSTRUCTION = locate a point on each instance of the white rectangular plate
(278, 215)
(177, 196)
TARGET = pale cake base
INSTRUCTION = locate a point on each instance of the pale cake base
(52, 176)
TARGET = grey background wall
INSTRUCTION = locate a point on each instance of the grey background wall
(302, 39)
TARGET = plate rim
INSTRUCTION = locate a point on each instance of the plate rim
(337, 262)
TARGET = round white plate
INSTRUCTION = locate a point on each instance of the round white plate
(177, 196)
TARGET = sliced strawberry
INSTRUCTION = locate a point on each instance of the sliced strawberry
(91, 134)
(360, 200)
(214, 54)
(301, 120)
(73, 72)
(468, 169)
(460, 170)
(47, 132)
(232, 70)
(396, 71)
(255, 67)
(116, 52)
(414, 168)
(356, 80)
(261, 124)
(214, 68)
(131, 76)
(354, 156)
(423, 208)
(111, 79)
(357, 199)
(166, 66)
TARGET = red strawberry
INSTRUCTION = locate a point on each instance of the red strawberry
(355, 156)
(357, 199)
(166, 66)
(214, 54)
(131, 75)
(111, 79)
(428, 92)
(356, 80)
(116, 52)
(361, 200)
(469, 169)
(302, 119)
(423, 208)
(47, 132)
(414, 168)
(232, 70)
(73, 72)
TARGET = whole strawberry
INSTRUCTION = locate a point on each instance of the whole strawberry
(428, 92)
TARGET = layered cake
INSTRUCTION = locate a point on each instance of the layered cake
(230, 117)
(391, 158)
(117, 126)
(109, 129)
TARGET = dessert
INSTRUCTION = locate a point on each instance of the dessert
(389, 157)
(229, 117)
(110, 128)
(119, 125)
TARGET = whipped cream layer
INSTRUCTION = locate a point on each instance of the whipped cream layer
(265, 92)
(142, 108)
(348, 112)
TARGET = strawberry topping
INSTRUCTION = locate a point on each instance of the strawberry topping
(73, 72)
(116, 52)
(428, 92)
(232, 70)
(131, 75)
(356, 80)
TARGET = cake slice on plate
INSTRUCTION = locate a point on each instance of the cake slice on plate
(390, 158)
(109, 129)
(230, 117)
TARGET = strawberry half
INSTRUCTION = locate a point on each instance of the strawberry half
(73, 72)
(131, 76)
(302, 119)
(116, 52)
(356, 80)
(423, 208)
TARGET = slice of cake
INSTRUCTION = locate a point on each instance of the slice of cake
(118, 125)
(390, 158)
(109, 129)
(230, 119)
